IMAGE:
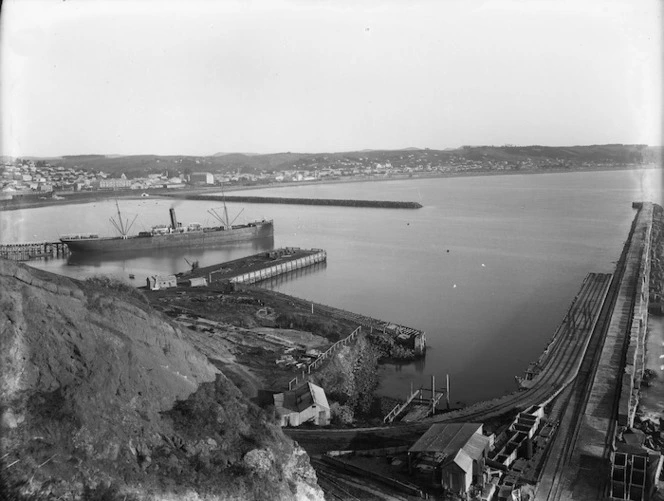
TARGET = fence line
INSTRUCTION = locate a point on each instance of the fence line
(324, 356)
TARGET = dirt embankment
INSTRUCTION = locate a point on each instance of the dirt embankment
(248, 333)
(103, 397)
(245, 332)
(350, 379)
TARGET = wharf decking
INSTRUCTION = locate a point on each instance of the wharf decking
(580, 461)
(259, 267)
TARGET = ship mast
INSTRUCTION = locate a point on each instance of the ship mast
(123, 227)
(224, 220)
(223, 196)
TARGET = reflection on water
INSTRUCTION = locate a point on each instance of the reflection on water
(141, 265)
(173, 255)
(519, 249)
(276, 281)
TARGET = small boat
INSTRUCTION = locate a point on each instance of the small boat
(132, 276)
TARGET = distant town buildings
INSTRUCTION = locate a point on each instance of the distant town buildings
(26, 177)
(201, 178)
(121, 183)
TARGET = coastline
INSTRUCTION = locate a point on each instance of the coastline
(70, 198)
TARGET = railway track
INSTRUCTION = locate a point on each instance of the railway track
(339, 485)
(562, 363)
(560, 368)
(555, 479)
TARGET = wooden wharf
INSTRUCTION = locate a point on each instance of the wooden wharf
(401, 332)
(33, 250)
(259, 267)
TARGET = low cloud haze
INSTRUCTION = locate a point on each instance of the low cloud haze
(202, 77)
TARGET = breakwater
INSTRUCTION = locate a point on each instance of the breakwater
(611, 398)
(608, 405)
(380, 204)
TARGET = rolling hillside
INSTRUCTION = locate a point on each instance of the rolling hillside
(568, 156)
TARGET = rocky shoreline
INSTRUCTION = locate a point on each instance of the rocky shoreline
(656, 303)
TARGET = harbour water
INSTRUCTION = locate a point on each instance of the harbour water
(487, 268)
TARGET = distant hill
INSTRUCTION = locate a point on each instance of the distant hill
(568, 156)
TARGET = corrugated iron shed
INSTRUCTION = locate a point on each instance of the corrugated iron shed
(462, 460)
(448, 438)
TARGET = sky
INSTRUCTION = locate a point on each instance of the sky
(200, 77)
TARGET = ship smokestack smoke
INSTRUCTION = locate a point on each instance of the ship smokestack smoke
(174, 221)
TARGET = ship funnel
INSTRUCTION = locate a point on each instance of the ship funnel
(174, 221)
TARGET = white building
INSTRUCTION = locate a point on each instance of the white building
(201, 178)
(198, 282)
(307, 403)
(114, 184)
(157, 282)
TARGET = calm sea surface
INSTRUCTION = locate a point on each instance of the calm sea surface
(487, 268)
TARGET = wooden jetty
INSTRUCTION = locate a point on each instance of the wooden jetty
(33, 250)
(418, 405)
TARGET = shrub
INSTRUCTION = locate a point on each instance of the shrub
(117, 286)
(341, 414)
(326, 328)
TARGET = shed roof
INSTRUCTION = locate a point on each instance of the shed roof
(302, 398)
(449, 438)
(197, 281)
(462, 460)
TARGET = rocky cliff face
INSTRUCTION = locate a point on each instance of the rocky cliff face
(100, 396)
(657, 263)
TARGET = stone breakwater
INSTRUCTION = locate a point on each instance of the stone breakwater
(380, 204)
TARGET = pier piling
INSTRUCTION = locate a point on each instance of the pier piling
(33, 250)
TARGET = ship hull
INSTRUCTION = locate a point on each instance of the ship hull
(204, 238)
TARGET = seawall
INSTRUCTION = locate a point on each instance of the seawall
(614, 393)
(381, 204)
